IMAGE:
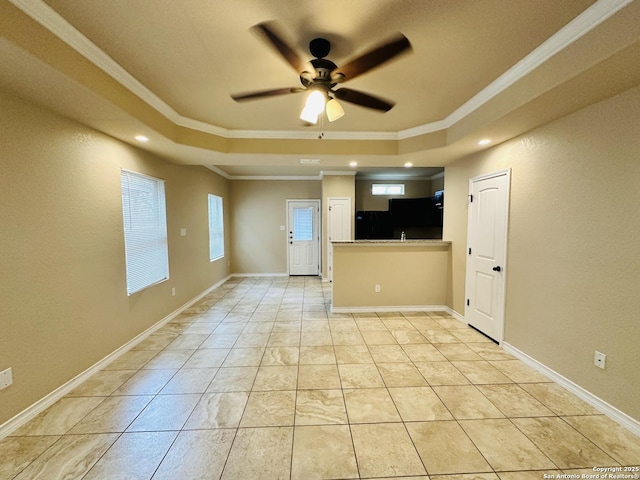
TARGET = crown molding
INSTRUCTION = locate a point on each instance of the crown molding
(593, 16)
(56, 24)
(384, 177)
(273, 177)
(311, 134)
(424, 129)
(224, 174)
(329, 173)
(197, 124)
(572, 31)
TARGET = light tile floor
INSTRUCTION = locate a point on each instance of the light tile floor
(260, 381)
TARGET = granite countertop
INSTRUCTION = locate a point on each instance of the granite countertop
(408, 242)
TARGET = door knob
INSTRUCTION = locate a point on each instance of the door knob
(497, 269)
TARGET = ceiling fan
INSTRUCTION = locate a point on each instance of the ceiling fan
(321, 76)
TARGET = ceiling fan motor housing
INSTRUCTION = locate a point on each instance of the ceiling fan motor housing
(319, 47)
(323, 69)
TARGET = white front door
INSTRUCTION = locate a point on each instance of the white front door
(487, 253)
(338, 225)
(303, 237)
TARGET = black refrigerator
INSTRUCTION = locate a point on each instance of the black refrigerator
(373, 225)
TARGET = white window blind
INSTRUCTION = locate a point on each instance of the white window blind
(387, 189)
(216, 228)
(303, 224)
(145, 230)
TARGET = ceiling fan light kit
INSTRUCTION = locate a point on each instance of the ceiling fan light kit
(315, 105)
(334, 110)
(321, 75)
(309, 115)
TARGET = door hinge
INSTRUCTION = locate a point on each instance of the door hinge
(468, 302)
(469, 250)
(329, 207)
(471, 198)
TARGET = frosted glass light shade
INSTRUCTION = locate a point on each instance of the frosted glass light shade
(334, 110)
(315, 102)
(309, 115)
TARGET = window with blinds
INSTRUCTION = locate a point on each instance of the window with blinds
(303, 224)
(387, 189)
(216, 228)
(145, 230)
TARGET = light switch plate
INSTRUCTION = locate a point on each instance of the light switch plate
(183, 232)
(599, 359)
(6, 378)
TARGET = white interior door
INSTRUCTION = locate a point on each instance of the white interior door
(303, 237)
(338, 225)
(487, 253)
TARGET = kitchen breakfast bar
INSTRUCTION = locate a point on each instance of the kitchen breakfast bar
(391, 275)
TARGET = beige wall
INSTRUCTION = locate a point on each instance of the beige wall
(412, 189)
(260, 208)
(409, 275)
(63, 304)
(437, 184)
(573, 269)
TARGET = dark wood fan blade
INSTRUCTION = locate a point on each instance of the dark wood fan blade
(269, 32)
(363, 99)
(241, 97)
(372, 59)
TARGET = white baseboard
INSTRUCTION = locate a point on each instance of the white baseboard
(610, 411)
(397, 308)
(45, 402)
(455, 315)
(244, 275)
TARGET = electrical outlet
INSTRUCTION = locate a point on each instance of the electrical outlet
(6, 378)
(599, 360)
(173, 291)
(377, 289)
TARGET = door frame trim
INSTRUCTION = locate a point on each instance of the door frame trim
(318, 203)
(472, 180)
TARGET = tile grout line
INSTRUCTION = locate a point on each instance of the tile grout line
(235, 435)
(239, 291)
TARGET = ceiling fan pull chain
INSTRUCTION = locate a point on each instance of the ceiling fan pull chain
(321, 135)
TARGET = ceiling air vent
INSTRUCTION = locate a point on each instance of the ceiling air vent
(310, 161)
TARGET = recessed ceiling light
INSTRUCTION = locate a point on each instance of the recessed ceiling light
(408, 165)
(484, 141)
(353, 164)
(141, 138)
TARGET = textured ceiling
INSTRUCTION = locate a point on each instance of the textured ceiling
(167, 68)
(193, 54)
